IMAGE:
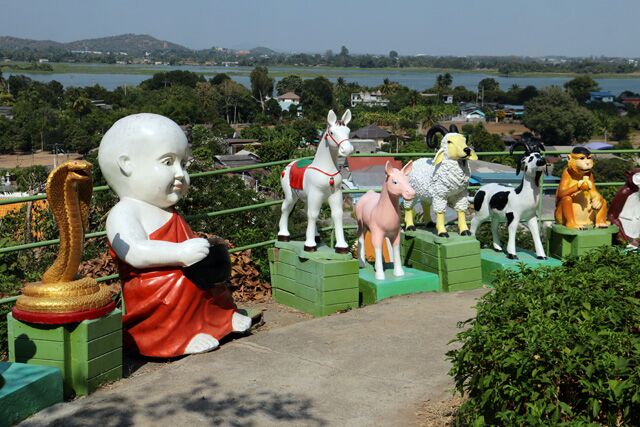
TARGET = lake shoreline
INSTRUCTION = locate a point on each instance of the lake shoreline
(304, 71)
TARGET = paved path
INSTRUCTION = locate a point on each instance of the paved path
(372, 366)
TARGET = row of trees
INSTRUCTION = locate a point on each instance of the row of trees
(47, 116)
(343, 58)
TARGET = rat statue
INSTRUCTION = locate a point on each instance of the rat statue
(143, 158)
(578, 202)
(625, 209)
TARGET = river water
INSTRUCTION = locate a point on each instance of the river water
(369, 77)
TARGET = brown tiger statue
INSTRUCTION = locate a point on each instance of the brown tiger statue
(578, 202)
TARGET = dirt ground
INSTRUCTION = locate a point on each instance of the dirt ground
(635, 139)
(499, 128)
(438, 414)
(42, 158)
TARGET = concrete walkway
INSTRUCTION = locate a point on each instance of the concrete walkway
(372, 366)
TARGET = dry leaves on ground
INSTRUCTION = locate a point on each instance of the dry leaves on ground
(438, 414)
(245, 281)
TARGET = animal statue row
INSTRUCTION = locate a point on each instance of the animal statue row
(442, 181)
(625, 210)
(316, 182)
(380, 215)
(499, 203)
(578, 202)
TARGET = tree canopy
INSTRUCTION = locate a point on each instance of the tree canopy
(290, 83)
(261, 84)
(558, 118)
(580, 87)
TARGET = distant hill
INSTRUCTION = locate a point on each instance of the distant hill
(261, 50)
(15, 43)
(133, 44)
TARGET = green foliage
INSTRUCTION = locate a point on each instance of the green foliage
(482, 140)
(489, 89)
(172, 78)
(580, 87)
(317, 98)
(205, 144)
(261, 84)
(558, 118)
(554, 346)
(30, 179)
(416, 145)
(290, 83)
(219, 78)
(443, 81)
(272, 110)
(620, 128)
(278, 148)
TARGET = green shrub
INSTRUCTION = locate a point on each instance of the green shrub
(555, 346)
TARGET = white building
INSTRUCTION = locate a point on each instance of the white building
(369, 99)
(286, 100)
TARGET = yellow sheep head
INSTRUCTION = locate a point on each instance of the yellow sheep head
(456, 148)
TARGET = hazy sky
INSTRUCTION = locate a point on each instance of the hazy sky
(446, 27)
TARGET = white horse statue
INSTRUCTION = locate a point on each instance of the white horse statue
(317, 181)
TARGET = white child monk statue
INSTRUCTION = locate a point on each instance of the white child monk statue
(143, 158)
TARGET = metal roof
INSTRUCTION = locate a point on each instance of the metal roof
(370, 132)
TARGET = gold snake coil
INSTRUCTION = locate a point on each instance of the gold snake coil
(69, 188)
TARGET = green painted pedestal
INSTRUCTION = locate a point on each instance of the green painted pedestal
(570, 241)
(314, 285)
(27, 389)
(88, 353)
(456, 259)
(494, 261)
(413, 282)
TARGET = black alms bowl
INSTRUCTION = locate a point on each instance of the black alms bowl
(213, 270)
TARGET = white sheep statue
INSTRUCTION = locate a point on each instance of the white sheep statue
(442, 181)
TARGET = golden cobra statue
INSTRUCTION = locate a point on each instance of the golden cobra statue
(69, 188)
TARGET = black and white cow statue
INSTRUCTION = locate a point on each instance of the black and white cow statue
(499, 203)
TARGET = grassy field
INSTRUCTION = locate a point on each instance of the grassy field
(303, 71)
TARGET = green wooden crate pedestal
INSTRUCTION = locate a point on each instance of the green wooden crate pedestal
(27, 389)
(570, 241)
(414, 281)
(88, 353)
(456, 259)
(311, 283)
(497, 261)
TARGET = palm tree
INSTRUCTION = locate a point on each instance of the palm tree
(444, 81)
(427, 119)
(81, 105)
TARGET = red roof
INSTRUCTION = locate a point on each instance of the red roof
(358, 163)
(289, 95)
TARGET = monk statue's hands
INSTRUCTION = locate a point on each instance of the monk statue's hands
(193, 250)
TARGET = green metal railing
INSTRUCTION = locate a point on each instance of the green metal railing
(269, 203)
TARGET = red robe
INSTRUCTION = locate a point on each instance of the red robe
(164, 309)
